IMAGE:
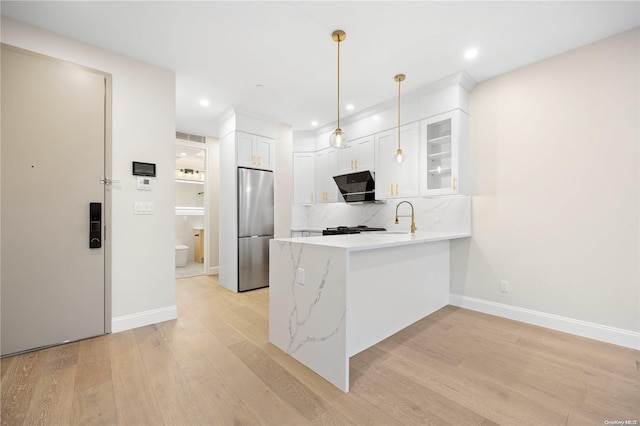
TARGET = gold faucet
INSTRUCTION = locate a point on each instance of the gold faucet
(413, 222)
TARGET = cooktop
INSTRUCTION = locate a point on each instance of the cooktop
(349, 230)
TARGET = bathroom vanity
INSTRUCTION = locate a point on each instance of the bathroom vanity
(332, 297)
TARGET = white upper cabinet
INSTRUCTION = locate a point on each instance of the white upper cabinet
(326, 164)
(393, 179)
(255, 151)
(303, 177)
(357, 156)
(444, 154)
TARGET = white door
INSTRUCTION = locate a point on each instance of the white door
(54, 117)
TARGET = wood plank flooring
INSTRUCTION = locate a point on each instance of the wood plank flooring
(214, 366)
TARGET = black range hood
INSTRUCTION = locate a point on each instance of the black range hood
(356, 187)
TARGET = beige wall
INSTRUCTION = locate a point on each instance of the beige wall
(143, 129)
(213, 171)
(555, 154)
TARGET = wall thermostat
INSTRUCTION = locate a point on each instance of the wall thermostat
(144, 184)
(144, 169)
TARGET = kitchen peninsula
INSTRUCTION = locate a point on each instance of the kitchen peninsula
(332, 297)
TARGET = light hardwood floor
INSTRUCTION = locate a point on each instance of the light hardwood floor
(214, 366)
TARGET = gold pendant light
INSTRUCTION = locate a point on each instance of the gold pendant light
(399, 78)
(338, 138)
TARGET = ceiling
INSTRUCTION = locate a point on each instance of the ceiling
(276, 59)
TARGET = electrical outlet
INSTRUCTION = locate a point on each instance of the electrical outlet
(300, 276)
(504, 286)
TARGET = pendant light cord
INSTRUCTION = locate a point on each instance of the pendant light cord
(399, 82)
(339, 83)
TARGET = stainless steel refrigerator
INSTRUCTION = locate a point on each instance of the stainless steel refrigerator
(255, 227)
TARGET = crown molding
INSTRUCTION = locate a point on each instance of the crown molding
(461, 78)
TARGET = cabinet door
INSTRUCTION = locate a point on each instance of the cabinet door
(358, 156)
(263, 152)
(393, 179)
(326, 167)
(444, 155)
(245, 144)
(331, 171)
(365, 158)
(254, 151)
(303, 177)
(346, 158)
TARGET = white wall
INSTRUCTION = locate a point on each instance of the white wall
(556, 185)
(283, 181)
(143, 284)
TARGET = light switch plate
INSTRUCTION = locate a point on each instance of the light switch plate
(143, 207)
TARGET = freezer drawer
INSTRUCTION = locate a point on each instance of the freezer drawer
(253, 262)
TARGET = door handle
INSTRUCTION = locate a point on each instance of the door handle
(108, 181)
(95, 225)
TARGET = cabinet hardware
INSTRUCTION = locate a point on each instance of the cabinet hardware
(356, 163)
(454, 183)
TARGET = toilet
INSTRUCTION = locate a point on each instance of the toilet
(182, 252)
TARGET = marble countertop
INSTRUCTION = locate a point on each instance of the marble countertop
(374, 240)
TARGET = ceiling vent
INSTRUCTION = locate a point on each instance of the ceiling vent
(191, 138)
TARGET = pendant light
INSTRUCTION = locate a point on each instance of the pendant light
(338, 138)
(399, 78)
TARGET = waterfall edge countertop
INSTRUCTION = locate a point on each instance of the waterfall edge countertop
(333, 296)
(374, 240)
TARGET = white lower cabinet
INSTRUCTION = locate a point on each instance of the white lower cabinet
(393, 179)
(444, 154)
(303, 177)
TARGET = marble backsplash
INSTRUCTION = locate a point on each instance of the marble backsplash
(442, 214)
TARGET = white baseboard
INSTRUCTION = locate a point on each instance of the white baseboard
(214, 270)
(617, 336)
(140, 319)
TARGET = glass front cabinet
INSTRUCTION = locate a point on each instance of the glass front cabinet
(444, 154)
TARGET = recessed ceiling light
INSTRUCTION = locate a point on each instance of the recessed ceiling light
(184, 154)
(204, 102)
(349, 107)
(314, 123)
(471, 53)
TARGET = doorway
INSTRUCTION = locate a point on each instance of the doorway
(192, 237)
(55, 157)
